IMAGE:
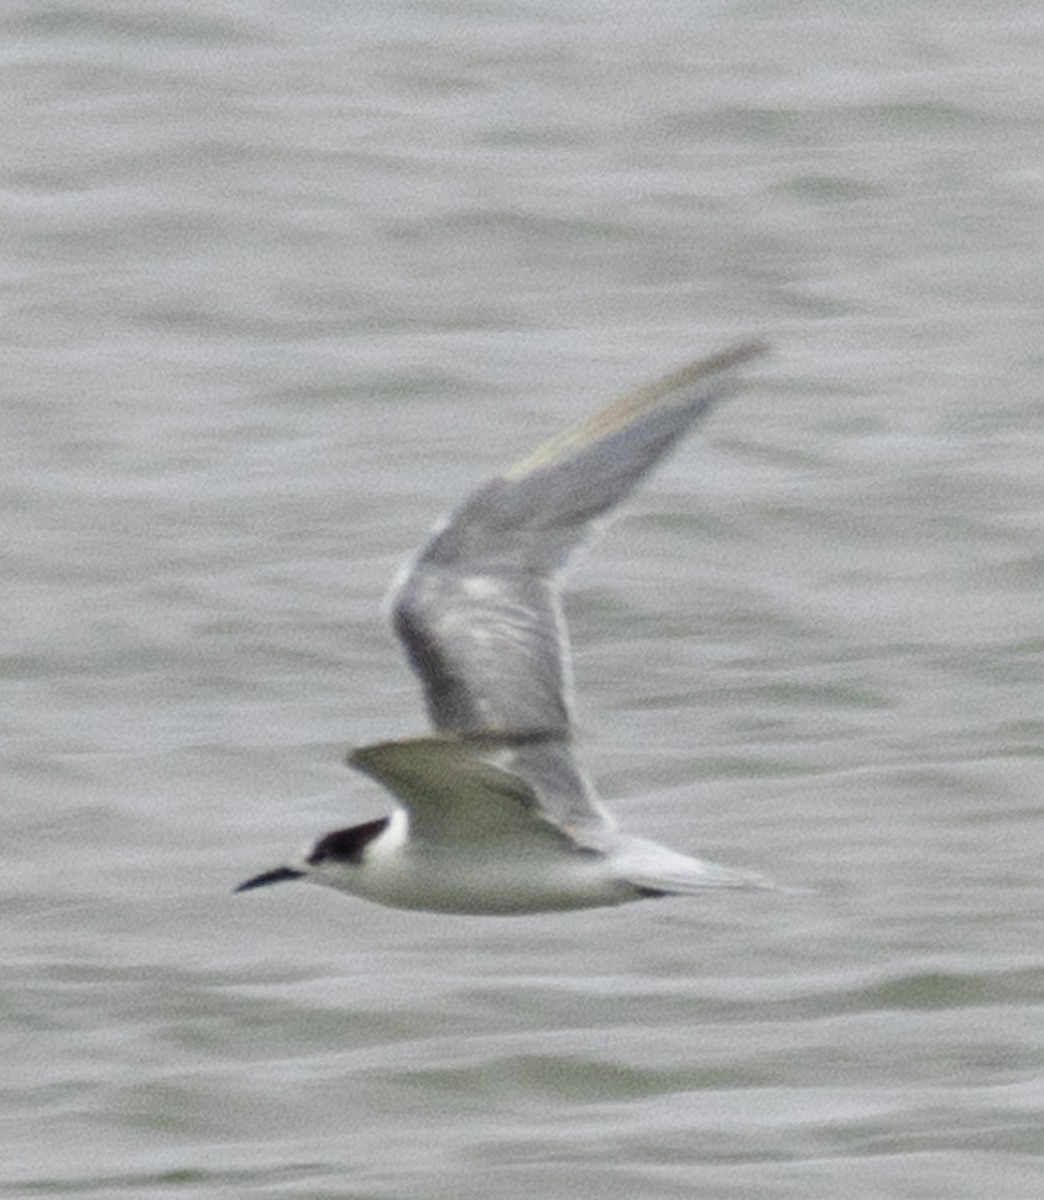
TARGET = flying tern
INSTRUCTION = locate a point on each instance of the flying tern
(494, 813)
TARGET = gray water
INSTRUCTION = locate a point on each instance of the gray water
(281, 281)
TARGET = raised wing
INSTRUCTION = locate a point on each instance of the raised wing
(479, 611)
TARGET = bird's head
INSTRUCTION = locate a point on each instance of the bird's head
(330, 854)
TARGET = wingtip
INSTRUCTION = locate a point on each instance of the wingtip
(694, 386)
(666, 387)
(740, 352)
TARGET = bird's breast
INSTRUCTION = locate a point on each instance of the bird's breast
(482, 882)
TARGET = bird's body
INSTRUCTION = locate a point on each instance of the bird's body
(492, 880)
(494, 814)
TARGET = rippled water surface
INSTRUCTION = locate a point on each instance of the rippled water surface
(282, 281)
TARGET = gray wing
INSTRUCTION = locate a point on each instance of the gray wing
(458, 792)
(479, 611)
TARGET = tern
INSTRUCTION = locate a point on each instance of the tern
(494, 814)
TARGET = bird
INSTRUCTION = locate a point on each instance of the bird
(494, 813)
